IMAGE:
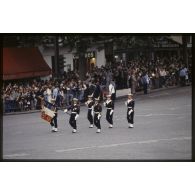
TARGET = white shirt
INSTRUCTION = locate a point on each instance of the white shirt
(48, 92)
(111, 88)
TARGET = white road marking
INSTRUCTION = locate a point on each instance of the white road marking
(19, 132)
(122, 144)
(161, 114)
(171, 108)
(144, 109)
(15, 155)
(158, 95)
(148, 115)
(72, 149)
(180, 117)
(174, 108)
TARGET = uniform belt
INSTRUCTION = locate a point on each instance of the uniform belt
(96, 112)
(90, 108)
(73, 112)
(109, 108)
(129, 107)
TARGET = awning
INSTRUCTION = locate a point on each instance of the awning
(19, 63)
(177, 39)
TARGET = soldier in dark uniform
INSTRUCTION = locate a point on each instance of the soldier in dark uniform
(54, 121)
(110, 110)
(75, 110)
(90, 104)
(130, 110)
(97, 114)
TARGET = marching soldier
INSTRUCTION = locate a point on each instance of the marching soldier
(75, 110)
(97, 115)
(90, 104)
(110, 109)
(54, 121)
(130, 110)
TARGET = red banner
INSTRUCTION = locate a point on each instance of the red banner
(45, 117)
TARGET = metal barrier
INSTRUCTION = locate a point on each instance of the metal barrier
(14, 106)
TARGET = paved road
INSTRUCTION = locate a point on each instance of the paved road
(162, 132)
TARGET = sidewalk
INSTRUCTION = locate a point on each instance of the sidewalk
(123, 92)
(119, 95)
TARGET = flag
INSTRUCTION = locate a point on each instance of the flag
(47, 112)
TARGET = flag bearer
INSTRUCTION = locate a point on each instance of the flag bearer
(54, 121)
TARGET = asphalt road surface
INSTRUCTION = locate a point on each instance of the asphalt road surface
(162, 131)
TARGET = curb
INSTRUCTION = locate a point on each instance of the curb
(18, 113)
(117, 98)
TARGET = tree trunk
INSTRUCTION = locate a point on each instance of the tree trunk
(185, 52)
(81, 49)
(56, 56)
(82, 66)
(109, 52)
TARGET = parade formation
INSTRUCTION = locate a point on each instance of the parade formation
(73, 96)
(94, 112)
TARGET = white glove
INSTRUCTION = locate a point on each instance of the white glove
(65, 110)
(99, 116)
(76, 117)
(104, 103)
(130, 111)
(111, 112)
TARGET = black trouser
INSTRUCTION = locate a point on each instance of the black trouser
(109, 117)
(54, 121)
(145, 85)
(97, 121)
(113, 96)
(89, 116)
(130, 117)
(160, 81)
(72, 121)
(183, 80)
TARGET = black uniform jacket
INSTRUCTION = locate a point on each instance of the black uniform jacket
(75, 109)
(89, 104)
(110, 104)
(130, 104)
(97, 108)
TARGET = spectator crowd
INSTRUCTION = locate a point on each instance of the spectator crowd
(140, 74)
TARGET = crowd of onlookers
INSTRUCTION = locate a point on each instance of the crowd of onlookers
(161, 72)
(26, 95)
(136, 74)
